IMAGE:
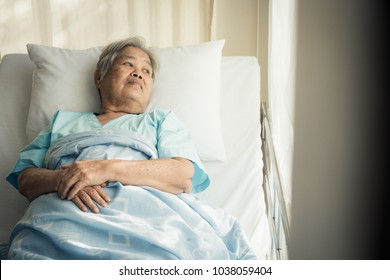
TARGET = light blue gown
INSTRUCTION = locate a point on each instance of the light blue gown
(161, 127)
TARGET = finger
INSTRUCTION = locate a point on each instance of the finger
(80, 204)
(65, 188)
(102, 194)
(94, 194)
(67, 181)
(87, 200)
(65, 166)
(62, 182)
(71, 191)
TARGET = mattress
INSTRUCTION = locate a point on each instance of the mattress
(236, 184)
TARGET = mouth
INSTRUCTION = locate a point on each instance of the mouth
(134, 82)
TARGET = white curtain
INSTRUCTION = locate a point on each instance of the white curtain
(281, 87)
(85, 23)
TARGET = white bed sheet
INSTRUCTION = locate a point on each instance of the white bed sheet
(236, 184)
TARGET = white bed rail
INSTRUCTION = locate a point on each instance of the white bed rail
(274, 196)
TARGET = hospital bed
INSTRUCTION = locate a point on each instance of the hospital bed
(233, 145)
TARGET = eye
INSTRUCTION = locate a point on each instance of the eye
(128, 64)
(147, 71)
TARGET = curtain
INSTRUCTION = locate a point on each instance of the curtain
(85, 23)
(281, 87)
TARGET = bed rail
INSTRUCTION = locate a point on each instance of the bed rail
(274, 196)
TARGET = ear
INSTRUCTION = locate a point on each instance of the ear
(97, 78)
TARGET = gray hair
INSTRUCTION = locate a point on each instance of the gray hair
(110, 52)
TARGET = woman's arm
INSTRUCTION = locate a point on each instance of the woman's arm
(34, 182)
(170, 175)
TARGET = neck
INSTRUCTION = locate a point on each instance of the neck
(107, 115)
(108, 112)
(121, 108)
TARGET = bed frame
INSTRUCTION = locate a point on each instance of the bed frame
(273, 191)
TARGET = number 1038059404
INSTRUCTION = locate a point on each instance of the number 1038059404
(244, 270)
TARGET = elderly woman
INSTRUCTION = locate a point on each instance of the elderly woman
(144, 164)
(124, 78)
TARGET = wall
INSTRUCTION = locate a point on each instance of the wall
(237, 23)
(244, 26)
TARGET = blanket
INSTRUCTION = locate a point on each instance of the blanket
(139, 223)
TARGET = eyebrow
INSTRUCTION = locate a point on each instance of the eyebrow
(133, 57)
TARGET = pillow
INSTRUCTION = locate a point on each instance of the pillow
(188, 83)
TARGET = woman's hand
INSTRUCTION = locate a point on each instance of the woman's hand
(171, 175)
(79, 175)
(88, 197)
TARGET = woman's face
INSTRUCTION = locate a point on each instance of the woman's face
(128, 83)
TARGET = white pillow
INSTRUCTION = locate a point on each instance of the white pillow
(188, 82)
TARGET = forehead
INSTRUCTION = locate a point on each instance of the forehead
(133, 53)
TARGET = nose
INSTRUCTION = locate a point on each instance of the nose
(135, 75)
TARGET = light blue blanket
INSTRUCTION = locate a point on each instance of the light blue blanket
(140, 222)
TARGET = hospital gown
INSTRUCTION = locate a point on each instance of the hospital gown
(161, 127)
